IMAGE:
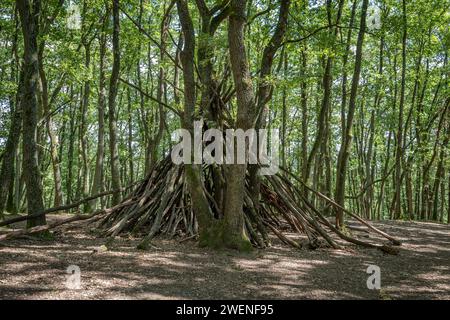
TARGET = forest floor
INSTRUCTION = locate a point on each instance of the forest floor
(36, 269)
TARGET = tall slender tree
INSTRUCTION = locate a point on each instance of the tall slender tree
(345, 148)
(112, 112)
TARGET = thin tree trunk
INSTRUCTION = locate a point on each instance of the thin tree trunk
(70, 152)
(327, 82)
(344, 66)
(18, 181)
(347, 134)
(154, 142)
(304, 106)
(113, 89)
(448, 199)
(97, 184)
(284, 113)
(265, 89)
(439, 176)
(53, 137)
(83, 128)
(130, 139)
(9, 155)
(399, 151)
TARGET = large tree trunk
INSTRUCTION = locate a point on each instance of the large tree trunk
(113, 88)
(193, 173)
(234, 236)
(29, 16)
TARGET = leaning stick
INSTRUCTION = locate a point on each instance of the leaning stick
(62, 208)
(78, 217)
(38, 229)
(333, 203)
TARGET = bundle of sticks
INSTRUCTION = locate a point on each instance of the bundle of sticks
(161, 205)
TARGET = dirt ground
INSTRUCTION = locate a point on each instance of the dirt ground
(36, 269)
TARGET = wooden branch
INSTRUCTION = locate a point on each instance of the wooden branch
(202, 8)
(336, 205)
(38, 229)
(367, 186)
(270, 7)
(282, 237)
(78, 217)
(62, 208)
(177, 112)
(150, 37)
(221, 16)
(308, 35)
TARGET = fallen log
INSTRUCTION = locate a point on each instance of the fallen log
(39, 229)
(47, 227)
(64, 207)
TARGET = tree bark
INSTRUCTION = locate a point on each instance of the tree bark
(193, 172)
(29, 16)
(234, 235)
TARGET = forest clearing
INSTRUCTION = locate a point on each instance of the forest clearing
(36, 269)
(224, 149)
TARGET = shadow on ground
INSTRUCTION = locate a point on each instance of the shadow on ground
(33, 269)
